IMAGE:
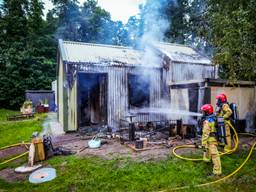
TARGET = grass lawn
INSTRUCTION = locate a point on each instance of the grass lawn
(122, 174)
(12, 132)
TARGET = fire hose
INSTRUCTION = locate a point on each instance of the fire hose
(16, 157)
(235, 138)
(236, 141)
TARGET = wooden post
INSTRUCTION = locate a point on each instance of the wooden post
(179, 127)
(131, 132)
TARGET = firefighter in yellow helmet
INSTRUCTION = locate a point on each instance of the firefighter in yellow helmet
(223, 110)
(209, 139)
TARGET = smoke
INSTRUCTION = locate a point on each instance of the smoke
(155, 26)
(155, 22)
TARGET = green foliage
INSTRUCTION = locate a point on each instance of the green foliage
(28, 52)
(232, 31)
(182, 22)
(176, 12)
(88, 23)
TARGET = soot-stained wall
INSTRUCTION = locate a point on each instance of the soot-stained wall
(117, 90)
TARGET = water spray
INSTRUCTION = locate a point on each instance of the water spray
(166, 111)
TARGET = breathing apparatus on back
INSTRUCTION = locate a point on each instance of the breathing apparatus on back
(221, 131)
(220, 123)
(221, 100)
(208, 114)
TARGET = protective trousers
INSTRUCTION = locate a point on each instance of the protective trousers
(228, 146)
(212, 153)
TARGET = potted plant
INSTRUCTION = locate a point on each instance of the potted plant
(46, 104)
(40, 107)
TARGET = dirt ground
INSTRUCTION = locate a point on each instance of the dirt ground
(110, 150)
(12, 151)
(9, 174)
(114, 149)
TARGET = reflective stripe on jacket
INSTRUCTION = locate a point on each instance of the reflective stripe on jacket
(209, 127)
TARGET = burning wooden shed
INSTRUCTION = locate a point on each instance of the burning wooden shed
(191, 95)
(100, 84)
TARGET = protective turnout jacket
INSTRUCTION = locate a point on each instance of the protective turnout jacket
(209, 131)
(225, 112)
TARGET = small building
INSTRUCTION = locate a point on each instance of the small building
(99, 84)
(191, 95)
(41, 97)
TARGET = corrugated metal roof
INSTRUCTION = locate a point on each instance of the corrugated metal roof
(181, 53)
(98, 53)
(39, 91)
(79, 52)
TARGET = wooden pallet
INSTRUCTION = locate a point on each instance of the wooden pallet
(20, 117)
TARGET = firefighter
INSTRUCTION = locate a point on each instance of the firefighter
(209, 138)
(223, 110)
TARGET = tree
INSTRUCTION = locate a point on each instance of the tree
(232, 32)
(68, 14)
(41, 48)
(163, 20)
(197, 27)
(133, 28)
(96, 23)
(178, 17)
(26, 62)
(13, 68)
(88, 23)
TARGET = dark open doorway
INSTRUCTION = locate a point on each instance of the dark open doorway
(92, 99)
(138, 91)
